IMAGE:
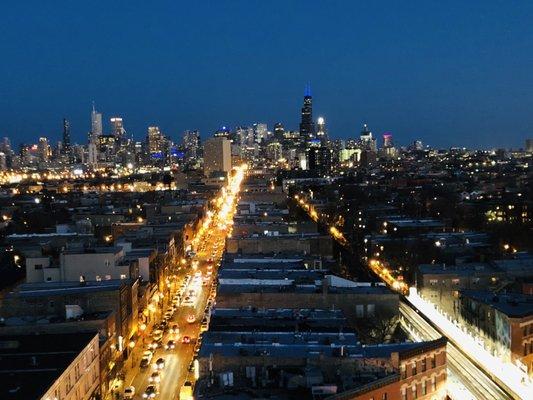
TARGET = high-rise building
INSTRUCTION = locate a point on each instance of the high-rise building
(387, 140)
(320, 159)
(154, 140)
(217, 155)
(279, 131)
(274, 151)
(66, 137)
(367, 141)
(307, 126)
(321, 132)
(529, 145)
(191, 144)
(43, 150)
(96, 125)
(260, 133)
(117, 128)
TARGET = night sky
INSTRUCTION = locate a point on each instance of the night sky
(454, 73)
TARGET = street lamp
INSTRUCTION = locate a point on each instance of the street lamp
(131, 345)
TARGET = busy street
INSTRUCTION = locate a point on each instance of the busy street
(163, 365)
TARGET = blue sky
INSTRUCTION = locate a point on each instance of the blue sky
(451, 73)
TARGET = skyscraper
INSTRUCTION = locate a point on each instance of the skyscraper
(191, 144)
(307, 126)
(117, 128)
(96, 125)
(279, 131)
(321, 132)
(154, 140)
(66, 137)
(217, 155)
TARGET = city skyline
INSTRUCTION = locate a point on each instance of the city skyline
(459, 80)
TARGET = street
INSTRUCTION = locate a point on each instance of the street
(198, 283)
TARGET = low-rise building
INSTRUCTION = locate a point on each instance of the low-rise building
(504, 321)
(49, 366)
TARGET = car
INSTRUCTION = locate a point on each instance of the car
(158, 334)
(168, 315)
(191, 318)
(155, 377)
(160, 363)
(129, 392)
(150, 392)
(204, 327)
(186, 339)
(174, 329)
(145, 362)
(170, 345)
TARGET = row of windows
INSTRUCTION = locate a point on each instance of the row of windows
(423, 366)
(423, 389)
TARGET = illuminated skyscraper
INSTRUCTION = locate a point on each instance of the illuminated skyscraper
(117, 129)
(217, 155)
(279, 131)
(307, 126)
(367, 141)
(260, 132)
(96, 125)
(154, 140)
(66, 137)
(191, 144)
(321, 132)
(387, 140)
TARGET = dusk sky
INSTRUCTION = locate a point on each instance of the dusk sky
(455, 73)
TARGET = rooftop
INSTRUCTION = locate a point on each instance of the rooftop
(513, 305)
(32, 363)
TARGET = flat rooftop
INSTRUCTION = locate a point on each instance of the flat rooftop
(64, 288)
(513, 305)
(32, 363)
(466, 269)
(277, 319)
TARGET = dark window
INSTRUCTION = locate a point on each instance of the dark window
(38, 266)
(424, 390)
(404, 373)
(423, 366)
(433, 361)
(413, 371)
(384, 396)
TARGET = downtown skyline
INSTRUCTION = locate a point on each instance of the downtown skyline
(459, 78)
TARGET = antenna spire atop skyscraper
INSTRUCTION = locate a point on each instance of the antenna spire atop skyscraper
(308, 90)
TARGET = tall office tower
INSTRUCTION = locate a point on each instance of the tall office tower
(388, 146)
(43, 150)
(274, 151)
(154, 140)
(66, 137)
(279, 131)
(3, 161)
(387, 140)
(321, 132)
(367, 141)
(217, 155)
(96, 125)
(529, 145)
(117, 129)
(307, 126)
(260, 133)
(191, 144)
